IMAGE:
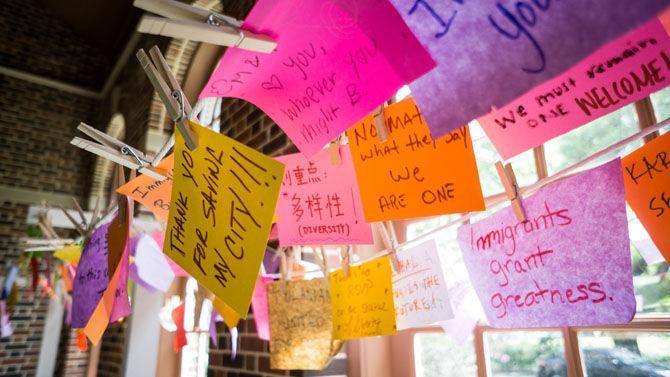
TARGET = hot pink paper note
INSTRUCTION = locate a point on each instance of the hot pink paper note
(259, 304)
(335, 62)
(569, 264)
(621, 72)
(319, 203)
(121, 306)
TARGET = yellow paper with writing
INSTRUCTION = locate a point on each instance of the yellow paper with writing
(646, 174)
(410, 175)
(69, 253)
(150, 192)
(363, 301)
(229, 316)
(223, 198)
(300, 324)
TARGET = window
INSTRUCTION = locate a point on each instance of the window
(524, 353)
(438, 356)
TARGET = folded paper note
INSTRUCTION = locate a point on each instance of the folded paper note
(491, 51)
(569, 264)
(410, 174)
(150, 268)
(419, 289)
(223, 198)
(363, 300)
(621, 72)
(319, 202)
(91, 278)
(335, 62)
(646, 174)
(259, 304)
(300, 324)
(152, 193)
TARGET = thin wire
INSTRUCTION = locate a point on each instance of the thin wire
(524, 191)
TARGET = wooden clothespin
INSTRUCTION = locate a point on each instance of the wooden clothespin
(380, 123)
(200, 25)
(285, 265)
(334, 147)
(170, 93)
(508, 180)
(387, 232)
(345, 256)
(320, 258)
(115, 150)
(83, 226)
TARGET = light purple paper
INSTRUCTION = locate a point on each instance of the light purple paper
(12, 273)
(215, 317)
(271, 261)
(91, 279)
(480, 66)
(569, 264)
(151, 269)
(5, 325)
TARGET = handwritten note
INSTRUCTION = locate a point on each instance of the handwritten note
(319, 203)
(259, 304)
(569, 264)
(335, 62)
(223, 197)
(153, 194)
(646, 174)
(300, 324)
(491, 51)
(419, 290)
(363, 301)
(617, 74)
(91, 278)
(412, 175)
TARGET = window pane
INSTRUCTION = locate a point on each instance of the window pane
(661, 103)
(525, 354)
(576, 145)
(625, 354)
(436, 355)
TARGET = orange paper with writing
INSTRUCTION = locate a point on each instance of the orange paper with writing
(151, 193)
(410, 175)
(646, 174)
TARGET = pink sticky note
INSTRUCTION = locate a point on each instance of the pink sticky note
(259, 304)
(121, 306)
(569, 264)
(319, 203)
(335, 62)
(617, 74)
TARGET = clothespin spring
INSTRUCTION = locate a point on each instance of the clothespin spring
(215, 19)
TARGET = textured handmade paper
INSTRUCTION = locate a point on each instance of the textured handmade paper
(492, 51)
(319, 203)
(152, 193)
(646, 174)
(259, 304)
(419, 289)
(624, 71)
(300, 324)
(410, 174)
(569, 264)
(223, 198)
(335, 61)
(363, 301)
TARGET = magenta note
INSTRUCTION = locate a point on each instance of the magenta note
(569, 264)
(621, 72)
(259, 305)
(319, 203)
(121, 307)
(90, 280)
(492, 51)
(335, 62)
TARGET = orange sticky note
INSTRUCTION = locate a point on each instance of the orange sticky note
(99, 320)
(151, 193)
(410, 174)
(646, 174)
(230, 317)
(179, 335)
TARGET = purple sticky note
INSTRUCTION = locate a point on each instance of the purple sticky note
(568, 264)
(271, 261)
(5, 326)
(151, 268)
(91, 279)
(491, 51)
(216, 317)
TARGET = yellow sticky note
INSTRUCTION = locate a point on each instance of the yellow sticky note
(223, 198)
(229, 316)
(363, 301)
(69, 253)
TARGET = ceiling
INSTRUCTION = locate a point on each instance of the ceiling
(106, 24)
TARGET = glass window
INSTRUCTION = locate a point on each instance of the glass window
(661, 102)
(578, 144)
(436, 355)
(625, 354)
(525, 354)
